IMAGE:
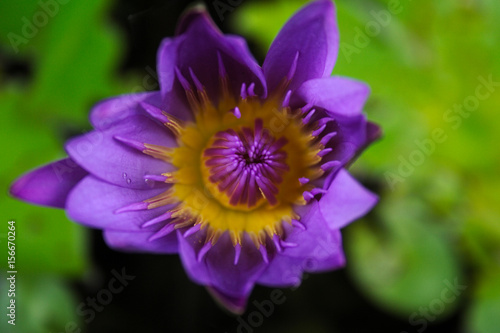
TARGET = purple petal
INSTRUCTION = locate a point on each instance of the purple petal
(166, 59)
(341, 100)
(139, 242)
(174, 97)
(94, 202)
(345, 201)
(350, 140)
(319, 246)
(235, 305)
(374, 132)
(188, 251)
(112, 110)
(346, 152)
(49, 185)
(234, 280)
(232, 283)
(336, 95)
(313, 34)
(109, 111)
(106, 158)
(200, 49)
(283, 272)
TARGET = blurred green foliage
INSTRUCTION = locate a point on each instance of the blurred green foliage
(44, 305)
(74, 65)
(437, 222)
(438, 218)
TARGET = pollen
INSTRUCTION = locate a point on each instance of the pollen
(239, 171)
(242, 164)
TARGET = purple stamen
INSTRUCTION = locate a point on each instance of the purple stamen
(303, 180)
(132, 207)
(219, 161)
(306, 107)
(298, 224)
(236, 111)
(243, 91)
(263, 252)
(271, 174)
(194, 229)
(197, 82)
(293, 67)
(276, 241)
(238, 192)
(324, 152)
(318, 190)
(307, 118)
(319, 130)
(237, 253)
(286, 100)
(158, 219)
(247, 165)
(204, 251)
(324, 121)
(277, 145)
(222, 69)
(154, 112)
(184, 83)
(308, 196)
(156, 178)
(163, 232)
(131, 143)
(327, 138)
(288, 244)
(330, 165)
(251, 88)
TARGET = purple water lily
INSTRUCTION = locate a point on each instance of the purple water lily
(237, 168)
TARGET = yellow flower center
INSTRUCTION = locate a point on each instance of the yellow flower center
(205, 193)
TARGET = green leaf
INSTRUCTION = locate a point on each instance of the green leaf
(16, 17)
(77, 62)
(46, 241)
(404, 265)
(482, 316)
(43, 304)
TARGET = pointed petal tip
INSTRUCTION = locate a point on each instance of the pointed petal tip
(19, 188)
(48, 185)
(195, 12)
(346, 201)
(374, 132)
(235, 305)
(316, 19)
